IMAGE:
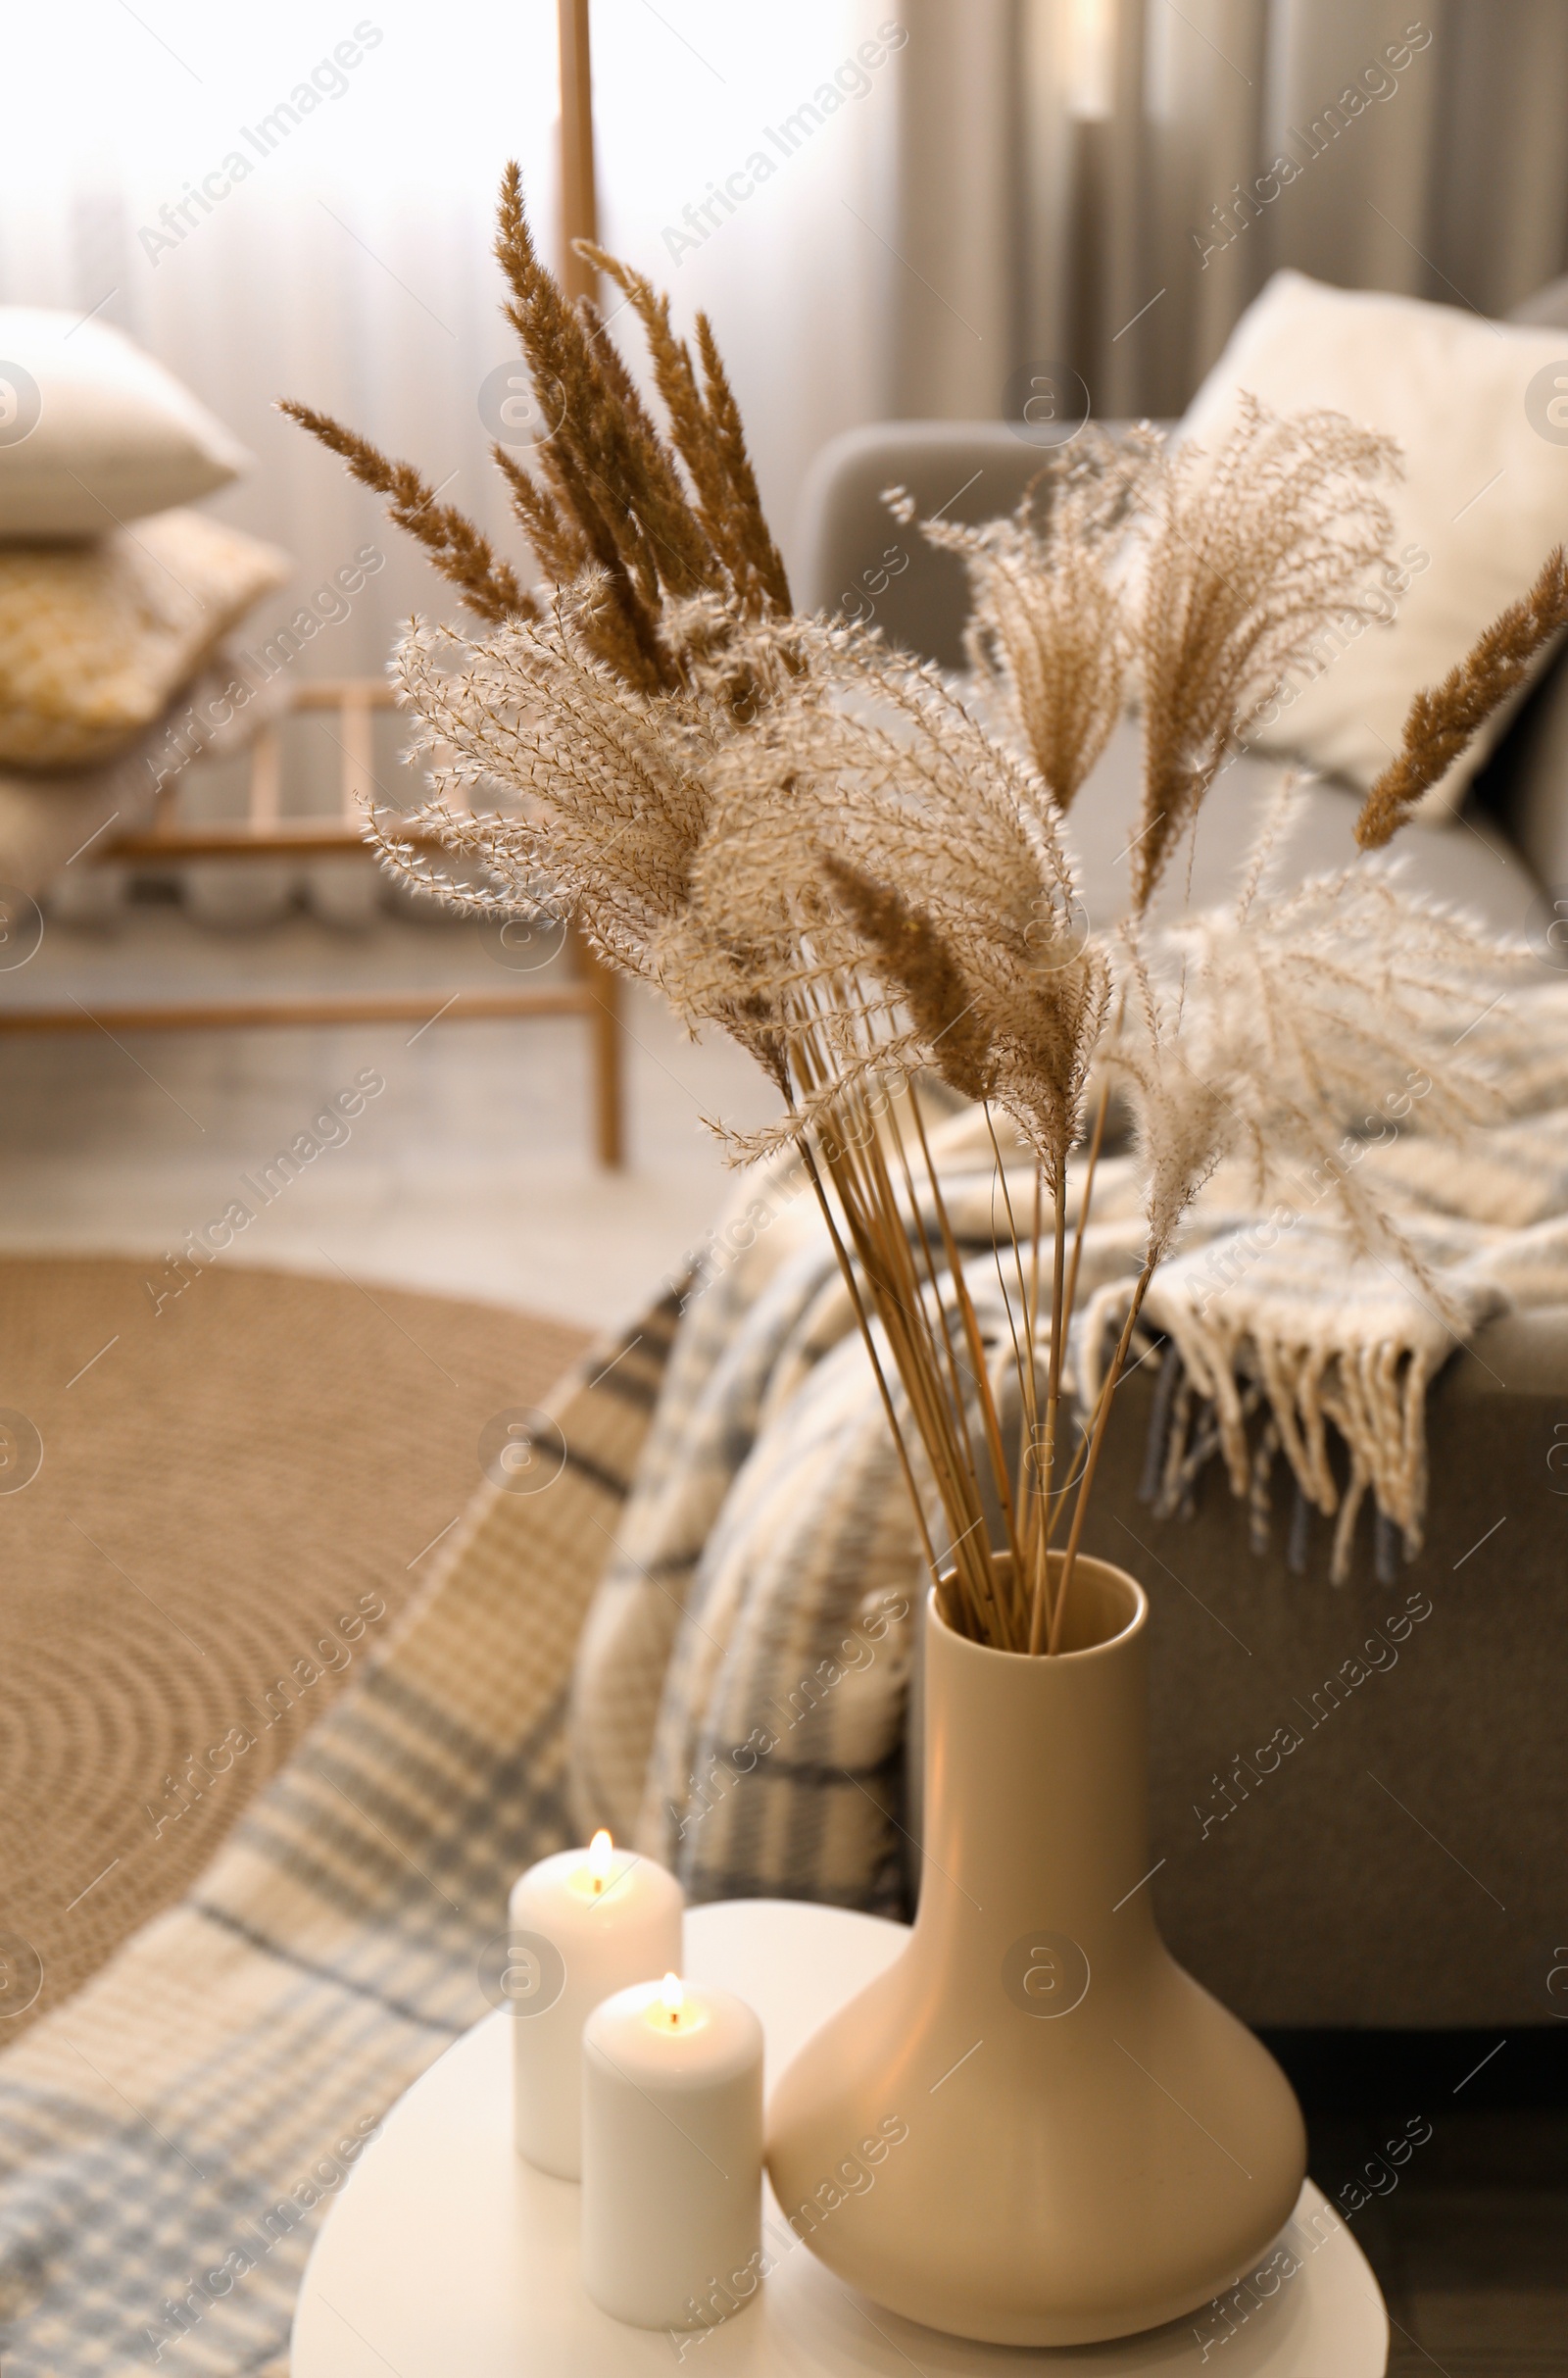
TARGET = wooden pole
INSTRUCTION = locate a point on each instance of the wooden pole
(579, 203)
(580, 220)
(600, 987)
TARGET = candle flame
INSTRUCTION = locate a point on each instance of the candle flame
(674, 1996)
(600, 1852)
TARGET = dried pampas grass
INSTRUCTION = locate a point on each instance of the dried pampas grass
(864, 875)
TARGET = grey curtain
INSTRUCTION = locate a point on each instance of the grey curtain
(1097, 188)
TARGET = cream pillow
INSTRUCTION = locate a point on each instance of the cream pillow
(94, 639)
(47, 820)
(93, 432)
(1481, 417)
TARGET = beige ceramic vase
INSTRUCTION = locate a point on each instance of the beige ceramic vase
(1034, 2128)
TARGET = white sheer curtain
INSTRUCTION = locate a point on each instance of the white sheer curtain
(349, 263)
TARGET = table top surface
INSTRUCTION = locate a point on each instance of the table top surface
(447, 2253)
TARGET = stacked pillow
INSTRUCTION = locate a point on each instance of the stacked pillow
(94, 433)
(105, 627)
(96, 639)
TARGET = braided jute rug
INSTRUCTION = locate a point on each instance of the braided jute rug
(210, 1515)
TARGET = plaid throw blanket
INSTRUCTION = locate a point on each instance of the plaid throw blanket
(171, 2137)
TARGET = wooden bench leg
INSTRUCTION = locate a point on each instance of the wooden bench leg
(603, 1028)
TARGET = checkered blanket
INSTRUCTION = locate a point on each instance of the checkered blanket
(171, 2137)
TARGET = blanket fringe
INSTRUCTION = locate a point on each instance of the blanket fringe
(1218, 1374)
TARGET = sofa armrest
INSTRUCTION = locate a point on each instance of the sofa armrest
(854, 555)
(1400, 1864)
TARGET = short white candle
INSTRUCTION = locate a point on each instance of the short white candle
(672, 2153)
(583, 1924)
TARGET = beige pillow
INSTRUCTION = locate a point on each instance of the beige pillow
(93, 432)
(1477, 409)
(94, 639)
(63, 823)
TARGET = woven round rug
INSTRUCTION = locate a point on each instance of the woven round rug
(211, 1512)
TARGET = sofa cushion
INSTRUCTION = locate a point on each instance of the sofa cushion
(1475, 408)
(1470, 862)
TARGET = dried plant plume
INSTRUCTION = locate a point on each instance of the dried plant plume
(1443, 719)
(1249, 554)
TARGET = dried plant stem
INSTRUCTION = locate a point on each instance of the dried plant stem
(977, 1356)
(881, 1241)
(1036, 1233)
(853, 1287)
(954, 1374)
(1030, 1483)
(1066, 1490)
(977, 1554)
(1097, 1439)
(1097, 1142)
(1046, 1515)
(1066, 1304)
(1059, 1312)
(1023, 1357)
(1025, 1373)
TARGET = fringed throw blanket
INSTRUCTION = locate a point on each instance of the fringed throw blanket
(739, 1705)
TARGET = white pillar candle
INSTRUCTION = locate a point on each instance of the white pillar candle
(672, 2153)
(583, 1924)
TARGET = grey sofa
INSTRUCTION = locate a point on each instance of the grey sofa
(1408, 1865)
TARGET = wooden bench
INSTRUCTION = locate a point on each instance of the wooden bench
(266, 832)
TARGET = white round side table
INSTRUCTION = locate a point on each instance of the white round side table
(447, 2254)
